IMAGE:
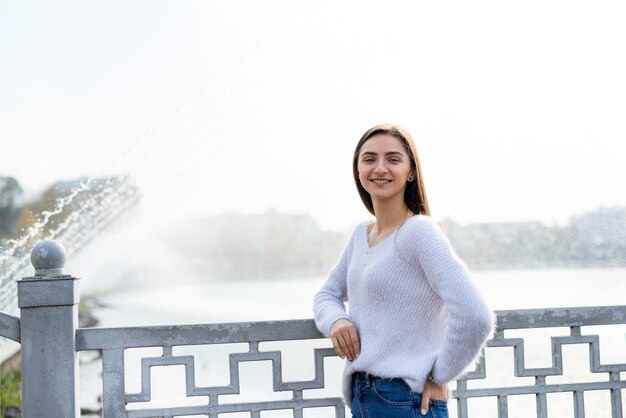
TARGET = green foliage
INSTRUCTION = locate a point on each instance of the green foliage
(10, 389)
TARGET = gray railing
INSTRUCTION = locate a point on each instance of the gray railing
(50, 339)
(573, 318)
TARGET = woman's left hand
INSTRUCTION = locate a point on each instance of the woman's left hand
(433, 391)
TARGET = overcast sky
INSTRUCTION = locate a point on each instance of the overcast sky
(517, 108)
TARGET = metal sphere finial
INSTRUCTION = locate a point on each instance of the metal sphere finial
(48, 254)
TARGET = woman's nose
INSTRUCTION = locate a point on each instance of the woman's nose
(380, 167)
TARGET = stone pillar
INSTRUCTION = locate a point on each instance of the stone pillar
(48, 304)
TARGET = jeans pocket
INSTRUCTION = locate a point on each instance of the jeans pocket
(439, 409)
(393, 392)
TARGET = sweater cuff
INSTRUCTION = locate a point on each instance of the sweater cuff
(436, 376)
(441, 371)
(329, 321)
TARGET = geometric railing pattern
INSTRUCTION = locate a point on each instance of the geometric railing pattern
(574, 318)
(112, 342)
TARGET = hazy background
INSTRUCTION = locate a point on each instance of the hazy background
(517, 109)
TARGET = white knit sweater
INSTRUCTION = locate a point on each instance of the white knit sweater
(413, 302)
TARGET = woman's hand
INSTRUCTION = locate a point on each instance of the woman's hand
(434, 392)
(345, 339)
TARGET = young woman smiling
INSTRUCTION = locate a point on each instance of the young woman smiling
(416, 320)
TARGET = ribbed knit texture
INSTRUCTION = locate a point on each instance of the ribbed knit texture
(413, 302)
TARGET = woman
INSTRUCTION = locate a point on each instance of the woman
(416, 320)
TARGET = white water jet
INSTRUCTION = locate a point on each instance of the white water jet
(88, 208)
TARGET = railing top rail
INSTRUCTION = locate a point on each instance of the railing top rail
(245, 332)
(561, 317)
(172, 335)
(10, 327)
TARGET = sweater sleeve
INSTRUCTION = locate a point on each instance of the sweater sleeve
(328, 304)
(470, 320)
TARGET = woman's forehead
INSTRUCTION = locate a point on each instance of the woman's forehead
(382, 143)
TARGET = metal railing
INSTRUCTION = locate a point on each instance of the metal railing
(573, 318)
(113, 342)
(51, 340)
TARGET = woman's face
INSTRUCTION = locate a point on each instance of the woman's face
(384, 167)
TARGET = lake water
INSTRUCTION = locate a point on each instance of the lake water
(269, 300)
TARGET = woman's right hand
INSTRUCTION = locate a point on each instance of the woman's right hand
(345, 339)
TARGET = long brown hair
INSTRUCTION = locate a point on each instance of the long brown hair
(414, 193)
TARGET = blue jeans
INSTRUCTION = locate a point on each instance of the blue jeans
(390, 398)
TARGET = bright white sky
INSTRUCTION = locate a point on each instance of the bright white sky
(517, 108)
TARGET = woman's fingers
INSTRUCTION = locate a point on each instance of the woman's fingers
(354, 340)
(426, 394)
(336, 336)
(432, 391)
(336, 346)
(345, 339)
(425, 401)
(347, 345)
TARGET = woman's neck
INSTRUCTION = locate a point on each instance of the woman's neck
(390, 215)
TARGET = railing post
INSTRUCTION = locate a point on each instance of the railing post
(48, 304)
